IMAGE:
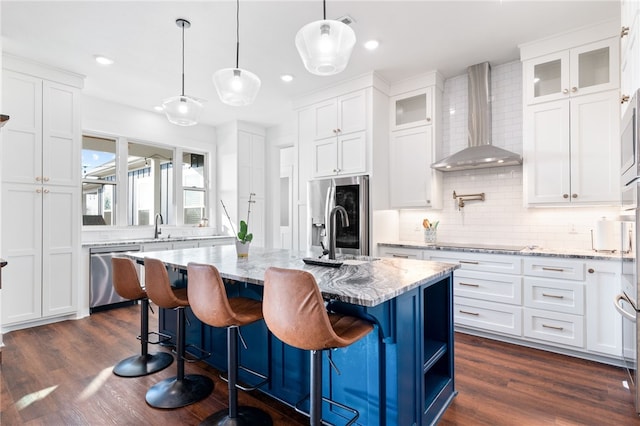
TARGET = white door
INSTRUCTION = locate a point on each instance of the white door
(410, 172)
(286, 207)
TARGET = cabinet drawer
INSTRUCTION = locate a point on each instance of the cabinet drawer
(504, 264)
(488, 315)
(554, 327)
(553, 295)
(554, 268)
(400, 252)
(487, 286)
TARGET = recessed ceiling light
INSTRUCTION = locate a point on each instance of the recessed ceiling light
(372, 44)
(286, 77)
(103, 60)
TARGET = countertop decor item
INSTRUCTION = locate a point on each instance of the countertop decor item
(183, 110)
(236, 86)
(244, 237)
(430, 230)
(325, 46)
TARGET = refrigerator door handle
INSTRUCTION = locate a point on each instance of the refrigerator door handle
(621, 310)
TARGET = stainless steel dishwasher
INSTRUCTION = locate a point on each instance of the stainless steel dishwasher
(102, 294)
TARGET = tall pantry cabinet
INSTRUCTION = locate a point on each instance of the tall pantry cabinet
(40, 203)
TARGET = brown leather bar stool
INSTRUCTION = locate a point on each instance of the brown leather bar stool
(209, 302)
(295, 313)
(127, 285)
(182, 389)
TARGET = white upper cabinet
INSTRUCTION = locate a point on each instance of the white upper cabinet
(579, 71)
(629, 51)
(412, 109)
(341, 115)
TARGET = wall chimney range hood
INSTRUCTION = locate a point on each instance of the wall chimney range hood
(480, 153)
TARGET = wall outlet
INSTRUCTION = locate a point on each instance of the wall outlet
(572, 228)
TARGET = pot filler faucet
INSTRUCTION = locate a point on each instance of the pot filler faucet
(157, 231)
(344, 221)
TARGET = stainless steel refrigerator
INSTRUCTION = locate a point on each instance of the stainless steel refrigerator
(352, 193)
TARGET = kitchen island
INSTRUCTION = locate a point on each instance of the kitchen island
(402, 372)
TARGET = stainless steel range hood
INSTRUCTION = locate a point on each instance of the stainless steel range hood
(480, 153)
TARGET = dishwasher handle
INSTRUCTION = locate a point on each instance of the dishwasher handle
(620, 309)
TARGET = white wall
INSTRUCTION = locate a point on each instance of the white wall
(501, 218)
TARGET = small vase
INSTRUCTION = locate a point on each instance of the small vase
(242, 248)
(430, 236)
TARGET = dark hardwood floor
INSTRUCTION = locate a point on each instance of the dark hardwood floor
(60, 374)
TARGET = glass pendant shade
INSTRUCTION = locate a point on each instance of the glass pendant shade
(182, 110)
(325, 46)
(236, 86)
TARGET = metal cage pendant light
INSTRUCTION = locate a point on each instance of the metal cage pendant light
(235, 86)
(183, 110)
(325, 46)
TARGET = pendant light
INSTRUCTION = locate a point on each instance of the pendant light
(236, 86)
(325, 46)
(182, 110)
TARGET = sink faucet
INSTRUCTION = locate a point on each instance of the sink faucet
(157, 231)
(344, 221)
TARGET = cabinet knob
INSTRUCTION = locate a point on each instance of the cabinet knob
(338, 130)
(574, 89)
(428, 119)
(565, 91)
(624, 32)
(38, 178)
(46, 179)
(46, 191)
(590, 270)
(574, 195)
(565, 195)
(39, 190)
(624, 98)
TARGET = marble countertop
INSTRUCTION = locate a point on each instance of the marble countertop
(154, 240)
(510, 250)
(360, 282)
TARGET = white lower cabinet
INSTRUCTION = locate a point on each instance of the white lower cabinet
(554, 327)
(400, 252)
(490, 316)
(604, 324)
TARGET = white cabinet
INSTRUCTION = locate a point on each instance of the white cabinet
(604, 327)
(413, 146)
(579, 71)
(571, 151)
(629, 51)
(400, 252)
(339, 133)
(40, 196)
(241, 172)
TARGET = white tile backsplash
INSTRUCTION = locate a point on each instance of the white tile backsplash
(502, 217)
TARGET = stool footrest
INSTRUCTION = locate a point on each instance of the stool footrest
(243, 387)
(356, 413)
(160, 338)
(189, 357)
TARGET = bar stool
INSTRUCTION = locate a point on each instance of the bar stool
(182, 389)
(127, 285)
(295, 313)
(211, 305)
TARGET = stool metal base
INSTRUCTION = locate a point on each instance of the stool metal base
(142, 365)
(174, 393)
(246, 416)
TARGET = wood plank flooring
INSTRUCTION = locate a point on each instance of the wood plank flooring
(60, 374)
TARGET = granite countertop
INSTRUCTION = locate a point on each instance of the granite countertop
(366, 282)
(509, 250)
(153, 240)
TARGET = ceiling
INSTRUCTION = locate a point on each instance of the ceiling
(144, 41)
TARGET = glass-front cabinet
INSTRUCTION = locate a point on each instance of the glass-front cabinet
(583, 70)
(412, 109)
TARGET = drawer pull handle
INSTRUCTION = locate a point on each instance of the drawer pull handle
(555, 296)
(470, 262)
(402, 256)
(475, 314)
(469, 284)
(546, 268)
(553, 327)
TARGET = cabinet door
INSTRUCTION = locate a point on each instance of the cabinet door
(546, 153)
(251, 155)
(325, 160)
(351, 152)
(546, 77)
(21, 148)
(604, 328)
(352, 113)
(595, 149)
(60, 135)
(410, 174)
(325, 119)
(594, 67)
(22, 248)
(412, 109)
(59, 250)
(629, 67)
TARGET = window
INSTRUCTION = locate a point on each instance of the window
(98, 181)
(193, 188)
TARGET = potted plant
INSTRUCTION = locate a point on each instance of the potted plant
(244, 237)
